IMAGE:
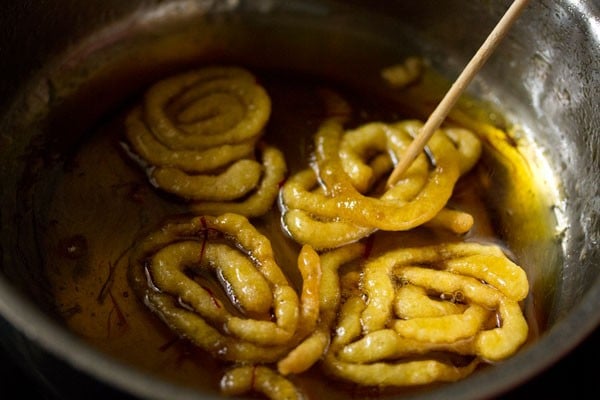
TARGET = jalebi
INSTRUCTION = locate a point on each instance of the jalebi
(197, 132)
(329, 205)
(417, 303)
(163, 272)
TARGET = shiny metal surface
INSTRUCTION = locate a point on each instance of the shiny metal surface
(57, 55)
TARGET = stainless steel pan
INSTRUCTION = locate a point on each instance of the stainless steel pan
(67, 63)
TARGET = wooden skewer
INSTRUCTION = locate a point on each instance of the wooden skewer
(441, 111)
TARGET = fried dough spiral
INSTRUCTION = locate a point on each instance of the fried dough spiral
(171, 270)
(418, 303)
(197, 132)
(335, 202)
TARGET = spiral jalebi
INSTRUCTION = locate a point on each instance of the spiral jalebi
(198, 133)
(169, 269)
(419, 304)
(336, 202)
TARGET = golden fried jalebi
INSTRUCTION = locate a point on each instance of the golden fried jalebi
(171, 270)
(418, 303)
(197, 133)
(330, 205)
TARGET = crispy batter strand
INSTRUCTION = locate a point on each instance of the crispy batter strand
(413, 302)
(309, 264)
(261, 199)
(236, 181)
(313, 348)
(261, 379)
(446, 328)
(387, 344)
(382, 371)
(306, 354)
(193, 160)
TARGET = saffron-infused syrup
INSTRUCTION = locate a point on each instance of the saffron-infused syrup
(103, 203)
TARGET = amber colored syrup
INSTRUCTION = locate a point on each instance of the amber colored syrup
(104, 202)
